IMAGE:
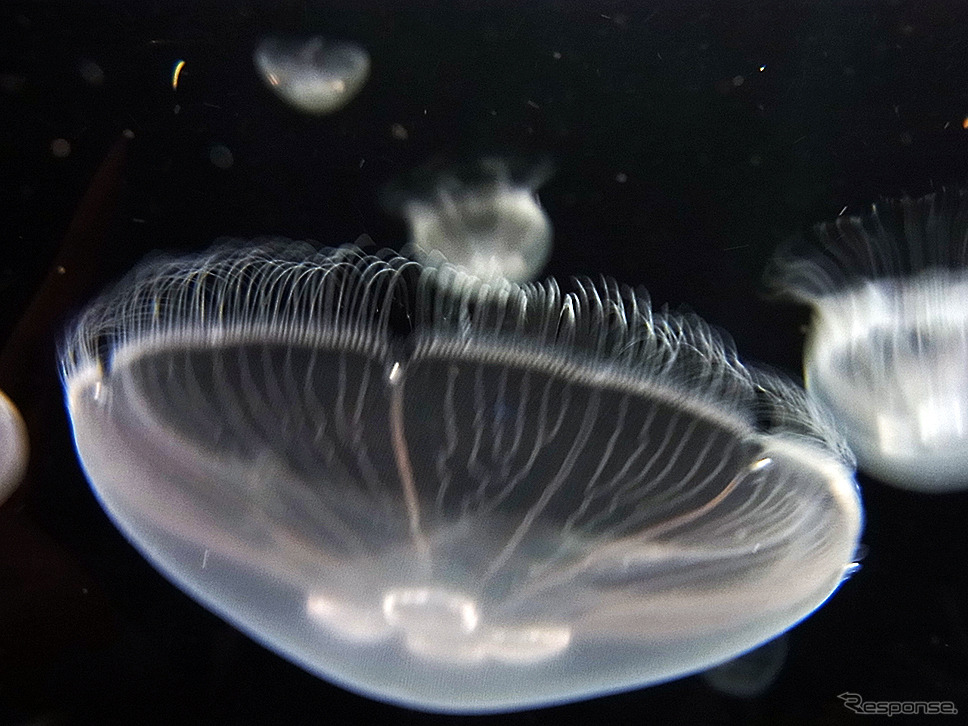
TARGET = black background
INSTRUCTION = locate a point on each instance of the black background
(688, 139)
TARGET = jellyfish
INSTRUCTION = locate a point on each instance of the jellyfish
(484, 217)
(14, 447)
(455, 494)
(887, 350)
(751, 674)
(315, 76)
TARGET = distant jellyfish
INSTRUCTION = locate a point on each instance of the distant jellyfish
(91, 72)
(887, 351)
(484, 217)
(457, 495)
(316, 76)
(751, 674)
(221, 156)
(14, 447)
(60, 148)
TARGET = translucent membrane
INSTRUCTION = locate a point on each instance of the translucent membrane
(888, 348)
(454, 495)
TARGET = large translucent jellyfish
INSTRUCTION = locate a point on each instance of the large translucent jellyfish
(888, 347)
(483, 217)
(314, 75)
(449, 494)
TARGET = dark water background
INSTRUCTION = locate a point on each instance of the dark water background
(688, 139)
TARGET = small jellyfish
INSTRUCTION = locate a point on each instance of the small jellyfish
(751, 674)
(887, 351)
(482, 217)
(316, 76)
(452, 494)
(220, 156)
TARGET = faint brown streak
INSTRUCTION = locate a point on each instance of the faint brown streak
(70, 278)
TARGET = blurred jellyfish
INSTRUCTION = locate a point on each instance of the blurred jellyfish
(60, 148)
(315, 76)
(14, 448)
(751, 674)
(453, 494)
(221, 156)
(91, 72)
(887, 351)
(482, 217)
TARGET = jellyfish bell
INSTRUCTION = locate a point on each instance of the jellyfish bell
(455, 494)
(14, 447)
(314, 75)
(887, 351)
(484, 217)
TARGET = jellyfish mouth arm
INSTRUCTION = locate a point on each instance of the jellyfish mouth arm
(402, 455)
